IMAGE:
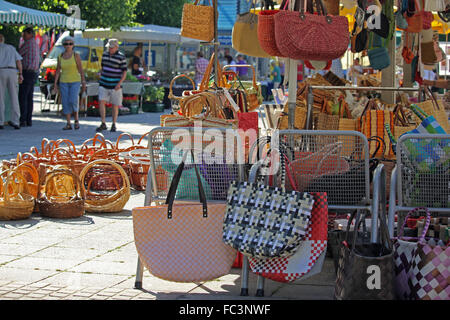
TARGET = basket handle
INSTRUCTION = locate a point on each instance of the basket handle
(69, 143)
(244, 66)
(8, 180)
(171, 95)
(75, 180)
(35, 151)
(425, 229)
(54, 158)
(126, 181)
(120, 137)
(142, 137)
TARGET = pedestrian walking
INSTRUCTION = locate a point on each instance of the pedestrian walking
(276, 74)
(113, 74)
(10, 63)
(242, 71)
(69, 73)
(200, 68)
(136, 64)
(30, 53)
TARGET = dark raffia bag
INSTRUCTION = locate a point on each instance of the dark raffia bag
(366, 270)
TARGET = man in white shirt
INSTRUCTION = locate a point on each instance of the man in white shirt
(356, 71)
(10, 63)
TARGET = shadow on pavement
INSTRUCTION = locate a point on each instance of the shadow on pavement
(123, 215)
(81, 221)
(19, 224)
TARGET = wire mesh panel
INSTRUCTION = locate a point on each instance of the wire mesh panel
(216, 153)
(424, 175)
(336, 162)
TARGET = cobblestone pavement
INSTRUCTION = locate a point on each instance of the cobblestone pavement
(94, 257)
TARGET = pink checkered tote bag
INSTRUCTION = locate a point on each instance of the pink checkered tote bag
(422, 265)
(308, 258)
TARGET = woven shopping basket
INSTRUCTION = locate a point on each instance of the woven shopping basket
(105, 202)
(63, 196)
(16, 203)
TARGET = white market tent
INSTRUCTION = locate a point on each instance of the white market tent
(17, 15)
(148, 32)
(145, 33)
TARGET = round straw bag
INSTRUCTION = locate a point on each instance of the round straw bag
(16, 202)
(63, 197)
(106, 203)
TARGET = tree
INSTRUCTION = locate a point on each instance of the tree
(160, 12)
(107, 14)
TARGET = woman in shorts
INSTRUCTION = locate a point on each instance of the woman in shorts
(69, 72)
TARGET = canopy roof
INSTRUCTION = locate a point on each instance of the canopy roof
(14, 14)
(148, 32)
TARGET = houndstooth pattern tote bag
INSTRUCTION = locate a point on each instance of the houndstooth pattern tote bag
(264, 222)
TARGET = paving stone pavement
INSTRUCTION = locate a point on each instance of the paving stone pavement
(94, 256)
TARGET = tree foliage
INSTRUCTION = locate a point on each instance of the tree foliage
(106, 13)
(160, 12)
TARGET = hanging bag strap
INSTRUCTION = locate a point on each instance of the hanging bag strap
(174, 185)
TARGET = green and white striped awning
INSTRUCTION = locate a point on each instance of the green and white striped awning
(14, 14)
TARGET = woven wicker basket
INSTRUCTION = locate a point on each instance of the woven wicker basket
(53, 204)
(106, 203)
(15, 205)
(197, 21)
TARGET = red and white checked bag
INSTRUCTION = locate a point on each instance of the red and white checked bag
(291, 268)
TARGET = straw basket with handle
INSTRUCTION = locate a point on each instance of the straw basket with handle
(16, 202)
(252, 89)
(106, 203)
(434, 108)
(197, 21)
(64, 201)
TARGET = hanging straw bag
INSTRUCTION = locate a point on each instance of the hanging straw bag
(197, 21)
(106, 203)
(245, 34)
(66, 200)
(266, 31)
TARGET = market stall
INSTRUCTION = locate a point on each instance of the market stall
(13, 14)
(275, 202)
(147, 34)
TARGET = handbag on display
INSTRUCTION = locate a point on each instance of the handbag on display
(360, 34)
(317, 36)
(407, 53)
(421, 265)
(266, 31)
(183, 242)
(308, 258)
(414, 17)
(378, 56)
(245, 35)
(197, 21)
(264, 222)
(383, 29)
(372, 123)
(360, 264)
